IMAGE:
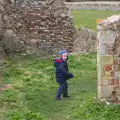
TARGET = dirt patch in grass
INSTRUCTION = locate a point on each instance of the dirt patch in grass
(5, 87)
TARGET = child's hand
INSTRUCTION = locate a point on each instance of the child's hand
(72, 76)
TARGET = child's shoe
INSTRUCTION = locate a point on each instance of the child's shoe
(67, 96)
(58, 98)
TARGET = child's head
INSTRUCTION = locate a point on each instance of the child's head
(63, 55)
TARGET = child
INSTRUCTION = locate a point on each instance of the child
(62, 74)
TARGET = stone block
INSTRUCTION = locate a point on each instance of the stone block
(102, 49)
(109, 48)
(106, 37)
(106, 60)
(107, 91)
(107, 72)
(104, 82)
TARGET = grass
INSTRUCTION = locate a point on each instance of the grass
(87, 18)
(34, 87)
(32, 96)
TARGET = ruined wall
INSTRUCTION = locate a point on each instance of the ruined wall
(38, 28)
(85, 41)
(51, 26)
(109, 59)
(2, 55)
(113, 6)
(42, 28)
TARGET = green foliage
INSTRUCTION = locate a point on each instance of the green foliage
(98, 111)
(10, 96)
(13, 115)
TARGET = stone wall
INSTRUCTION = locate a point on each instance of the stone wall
(38, 28)
(85, 41)
(42, 28)
(109, 59)
(114, 6)
(51, 27)
(2, 55)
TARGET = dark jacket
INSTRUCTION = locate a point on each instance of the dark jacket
(61, 71)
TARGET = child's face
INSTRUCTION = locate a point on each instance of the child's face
(64, 56)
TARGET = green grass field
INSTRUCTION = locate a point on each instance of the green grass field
(85, 18)
(34, 88)
(32, 96)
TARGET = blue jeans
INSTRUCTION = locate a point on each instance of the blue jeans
(62, 90)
